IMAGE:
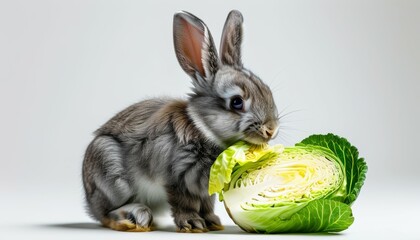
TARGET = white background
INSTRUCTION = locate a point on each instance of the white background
(347, 67)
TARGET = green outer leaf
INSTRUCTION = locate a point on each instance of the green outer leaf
(321, 215)
(355, 167)
(221, 170)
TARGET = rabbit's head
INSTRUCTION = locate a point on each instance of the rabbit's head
(228, 102)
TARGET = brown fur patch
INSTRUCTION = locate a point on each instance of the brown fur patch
(125, 226)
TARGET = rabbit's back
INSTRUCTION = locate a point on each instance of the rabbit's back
(150, 119)
(132, 120)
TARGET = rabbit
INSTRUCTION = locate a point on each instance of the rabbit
(159, 151)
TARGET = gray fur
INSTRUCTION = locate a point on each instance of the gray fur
(160, 151)
(230, 45)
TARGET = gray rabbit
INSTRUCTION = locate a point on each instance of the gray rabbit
(160, 151)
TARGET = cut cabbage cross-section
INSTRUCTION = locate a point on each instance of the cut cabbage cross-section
(295, 189)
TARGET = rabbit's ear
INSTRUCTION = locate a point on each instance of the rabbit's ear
(230, 46)
(194, 46)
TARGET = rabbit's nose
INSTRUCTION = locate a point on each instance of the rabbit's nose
(269, 131)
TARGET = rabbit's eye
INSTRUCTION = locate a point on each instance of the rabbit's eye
(237, 103)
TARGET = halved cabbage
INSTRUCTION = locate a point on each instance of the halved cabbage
(305, 188)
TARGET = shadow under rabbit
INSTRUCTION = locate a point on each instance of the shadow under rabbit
(78, 226)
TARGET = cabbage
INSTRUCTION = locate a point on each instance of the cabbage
(305, 188)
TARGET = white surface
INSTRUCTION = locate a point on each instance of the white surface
(390, 213)
(347, 67)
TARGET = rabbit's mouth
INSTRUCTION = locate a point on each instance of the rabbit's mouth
(255, 137)
(260, 134)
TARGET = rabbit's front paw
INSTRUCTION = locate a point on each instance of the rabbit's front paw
(190, 223)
